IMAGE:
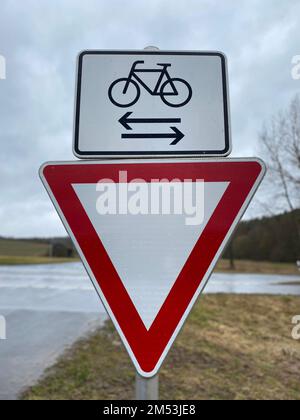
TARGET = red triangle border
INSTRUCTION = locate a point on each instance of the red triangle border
(148, 348)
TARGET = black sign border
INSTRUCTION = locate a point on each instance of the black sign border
(209, 153)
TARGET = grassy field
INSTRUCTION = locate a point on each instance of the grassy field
(8, 260)
(16, 252)
(223, 266)
(261, 267)
(232, 347)
(19, 248)
(24, 252)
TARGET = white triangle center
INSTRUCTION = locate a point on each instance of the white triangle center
(148, 251)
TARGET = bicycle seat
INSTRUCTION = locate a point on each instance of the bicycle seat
(164, 64)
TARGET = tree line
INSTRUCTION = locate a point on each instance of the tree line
(268, 239)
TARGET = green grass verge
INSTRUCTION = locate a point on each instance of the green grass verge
(232, 347)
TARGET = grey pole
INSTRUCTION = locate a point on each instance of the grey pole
(146, 388)
(151, 48)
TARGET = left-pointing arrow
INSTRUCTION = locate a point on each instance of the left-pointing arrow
(125, 120)
(177, 135)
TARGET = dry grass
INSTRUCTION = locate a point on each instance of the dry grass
(31, 260)
(261, 267)
(19, 248)
(241, 266)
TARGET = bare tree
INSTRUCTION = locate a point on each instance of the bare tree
(280, 144)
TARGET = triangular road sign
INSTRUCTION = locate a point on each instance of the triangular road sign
(150, 261)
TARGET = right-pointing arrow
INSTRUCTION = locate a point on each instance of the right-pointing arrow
(177, 135)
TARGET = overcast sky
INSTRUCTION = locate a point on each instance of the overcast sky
(41, 38)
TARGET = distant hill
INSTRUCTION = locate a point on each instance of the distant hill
(37, 247)
(273, 239)
(23, 248)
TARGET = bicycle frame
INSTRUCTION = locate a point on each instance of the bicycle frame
(155, 92)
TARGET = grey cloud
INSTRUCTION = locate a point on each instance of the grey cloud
(40, 40)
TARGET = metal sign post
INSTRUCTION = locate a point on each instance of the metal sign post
(146, 388)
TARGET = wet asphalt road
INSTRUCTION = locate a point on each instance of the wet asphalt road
(46, 310)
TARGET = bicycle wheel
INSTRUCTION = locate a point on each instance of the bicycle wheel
(184, 93)
(119, 98)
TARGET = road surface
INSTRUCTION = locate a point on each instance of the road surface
(46, 309)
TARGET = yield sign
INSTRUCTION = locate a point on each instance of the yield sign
(149, 259)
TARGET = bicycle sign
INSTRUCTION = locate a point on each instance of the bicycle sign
(151, 103)
(169, 90)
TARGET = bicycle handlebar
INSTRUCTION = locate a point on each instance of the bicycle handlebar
(137, 62)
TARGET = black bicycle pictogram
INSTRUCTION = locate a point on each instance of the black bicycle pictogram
(174, 92)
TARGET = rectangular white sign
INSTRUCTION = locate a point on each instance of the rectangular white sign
(143, 103)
